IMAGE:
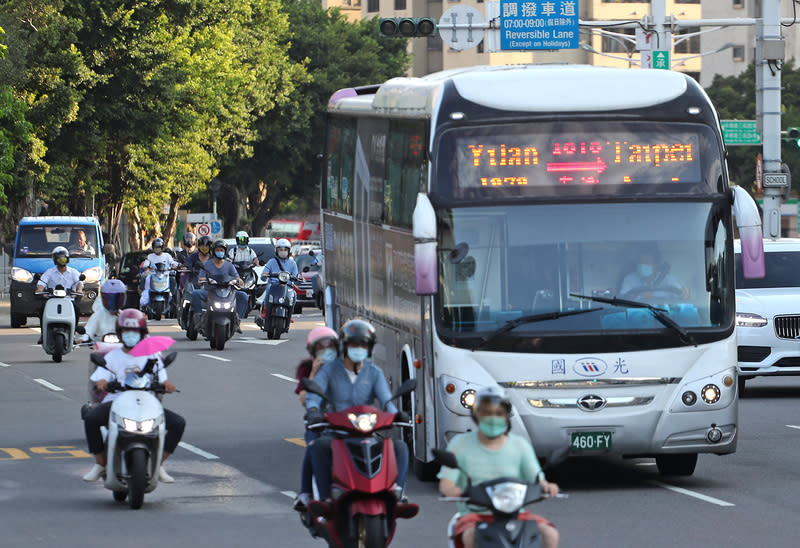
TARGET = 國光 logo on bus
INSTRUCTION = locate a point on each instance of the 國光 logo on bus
(590, 367)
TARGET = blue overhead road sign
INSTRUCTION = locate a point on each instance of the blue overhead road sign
(538, 24)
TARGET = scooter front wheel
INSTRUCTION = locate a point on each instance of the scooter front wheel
(59, 347)
(137, 483)
(218, 341)
(370, 532)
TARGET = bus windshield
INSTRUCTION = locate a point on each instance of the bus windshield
(500, 264)
(37, 241)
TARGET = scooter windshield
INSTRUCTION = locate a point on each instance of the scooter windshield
(133, 380)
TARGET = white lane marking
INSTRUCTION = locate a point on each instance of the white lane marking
(290, 494)
(793, 426)
(35, 329)
(645, 464)
(51, 386)
(284, 377)
(4, 364)
(214, 357)
(197, 450)
(179, 328)
(261, 341)
(687, 492)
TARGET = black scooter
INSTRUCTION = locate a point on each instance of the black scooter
(250, 286)
(218, 320)
(279, 301)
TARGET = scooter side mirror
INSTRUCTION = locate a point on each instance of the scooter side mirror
(405, 388)
(82, 277)
(169, 358)
(310, 386)
(97, 359)
(306, 269)
(445, 458)
(80, 330)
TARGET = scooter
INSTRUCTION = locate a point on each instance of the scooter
(505, 498)
(161, 302)
(219, 320)
(184, 312)
(59, 321)
(366, 505)
(136, 432)
(279, 301)
(248, 276)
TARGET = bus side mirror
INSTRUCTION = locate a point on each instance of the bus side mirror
(748, 221)
(425, 262)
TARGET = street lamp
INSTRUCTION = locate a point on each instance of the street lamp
(214, 187)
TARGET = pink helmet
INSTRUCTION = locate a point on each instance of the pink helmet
(320, 334)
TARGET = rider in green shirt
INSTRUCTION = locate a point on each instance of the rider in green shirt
(492, 453)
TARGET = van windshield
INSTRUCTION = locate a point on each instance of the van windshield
(37, 241)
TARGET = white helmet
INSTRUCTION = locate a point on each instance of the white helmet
(280, 245)
(242, 239)
(283, 242)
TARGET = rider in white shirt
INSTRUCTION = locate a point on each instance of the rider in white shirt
(63, 275)
(154, 258)
(242, 252)
(105, 310)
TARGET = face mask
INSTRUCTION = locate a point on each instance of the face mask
(130, 338)
(327, 354)
(357, 354)
(283, 254)
(157, 250)
(493, 426)
(61, 261)
(204, 250)
(219, 254)
(644, 270)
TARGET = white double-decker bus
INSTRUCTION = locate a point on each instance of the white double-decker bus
(564, 232)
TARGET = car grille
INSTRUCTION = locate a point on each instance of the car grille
(753, 353)
(787, 327)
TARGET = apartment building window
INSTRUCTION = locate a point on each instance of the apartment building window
(690, 45)
(738, 4)
(738, 53)
(373, 6)
(399, 4)
(434, 42)
(617, 44)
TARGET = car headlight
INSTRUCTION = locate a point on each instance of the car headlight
(746, 319)
(93, 274)
(21, 275)
(507, 497)
(364, 422)
(283, 277)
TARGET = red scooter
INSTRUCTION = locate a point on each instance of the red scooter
(365, 508)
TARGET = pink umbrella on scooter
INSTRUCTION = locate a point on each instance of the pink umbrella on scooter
(151, 345)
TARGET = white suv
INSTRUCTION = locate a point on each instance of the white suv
(768, 313)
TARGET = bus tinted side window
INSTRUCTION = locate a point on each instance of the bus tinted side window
(341, 154)
(405, 156)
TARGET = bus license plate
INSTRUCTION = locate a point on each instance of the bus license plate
(591, 441)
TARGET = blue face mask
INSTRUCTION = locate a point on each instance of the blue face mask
(357, 354)
(493, 426)
(219, 254)
(644, 270)
(327, 354)
(130, 338)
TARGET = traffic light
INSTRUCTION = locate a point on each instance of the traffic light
(792, 136)
(407, 27)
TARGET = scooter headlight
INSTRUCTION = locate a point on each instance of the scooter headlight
(507, 497)
(93, 274)
(283, 277)
(21, 275)
(136, 427)
(364, 422)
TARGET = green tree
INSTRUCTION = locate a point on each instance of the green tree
(337, 54)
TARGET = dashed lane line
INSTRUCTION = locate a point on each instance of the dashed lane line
(197, 450)
(4, 364)
(693, 494)
(793, 426)
(49, 385)
(297, 441)
(284, 377)
(290, 494)
(214, 357)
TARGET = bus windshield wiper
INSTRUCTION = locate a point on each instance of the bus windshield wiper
(658, 313)
(533, 318)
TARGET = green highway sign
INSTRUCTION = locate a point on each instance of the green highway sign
(661, 59)
(740, 132)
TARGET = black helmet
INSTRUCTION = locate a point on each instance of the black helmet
(158, 242)
(357, 331)
(204, 241)
(492, 395)
(219, 243)
(60, 256)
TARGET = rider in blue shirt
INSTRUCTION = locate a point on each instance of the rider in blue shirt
(282, 262)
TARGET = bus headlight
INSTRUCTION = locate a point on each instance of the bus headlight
(746, 319)
(710, 393)
(21, 275)
(468, 398)
(93, 274)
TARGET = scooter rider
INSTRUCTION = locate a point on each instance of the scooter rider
(348, 381)
(218, 265)
(131, 328)
(187, 247)
(281, 262)
(196, 260)
(488, 454)
(242, 253)
(154, 258)
(63, 275)
(105, 310)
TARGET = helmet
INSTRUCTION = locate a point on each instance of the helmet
(130, 319)
(358, 331)
(189, 238)
(204, 242)
(158, 242)
(242, 238)
(319, 334)
(113, 295)
(283, 242)
(219, 243)
(60, 256)
(494, 395)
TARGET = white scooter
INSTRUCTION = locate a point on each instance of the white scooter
(58, 321)
(136, 432)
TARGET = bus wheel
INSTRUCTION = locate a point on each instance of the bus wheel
(682, 464)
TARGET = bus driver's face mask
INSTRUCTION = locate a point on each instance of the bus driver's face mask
(644, 270)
